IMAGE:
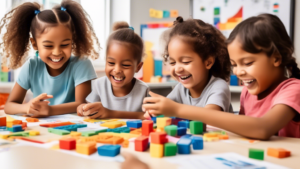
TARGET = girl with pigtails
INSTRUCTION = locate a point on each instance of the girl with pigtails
(60, 74)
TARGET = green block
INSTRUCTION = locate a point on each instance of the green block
(58, 131)
(92, 133)
(22, 133)
(171, 130)
(196, 127)
(170, 149)
(256, 154)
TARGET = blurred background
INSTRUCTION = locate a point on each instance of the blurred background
(150, 18)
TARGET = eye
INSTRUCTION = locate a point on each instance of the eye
(249, 63)
(111, 63)
(65, 45)
(48, 46)
(126, 65)
(186, 62)
(172, 62)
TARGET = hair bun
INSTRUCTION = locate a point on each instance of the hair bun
(120, 25)
(178, 20)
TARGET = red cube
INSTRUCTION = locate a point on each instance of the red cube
(3, 121)
(67, 144)
(158, 137)
(147, 127)
(141, 143)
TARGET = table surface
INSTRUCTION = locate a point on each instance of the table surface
(34, 157)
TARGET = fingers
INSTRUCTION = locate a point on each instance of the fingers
(127, 156)
(151, 100)
(154, 94)
(90, 111)
(94, 116)
(149, 106)
(42, 97)
(33, 111)
(90, 106)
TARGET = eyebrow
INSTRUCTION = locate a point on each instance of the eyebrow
(47, 41)
(242, 59)
(122, 60)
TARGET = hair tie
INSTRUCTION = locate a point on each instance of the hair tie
(63, 8)
(37, 11)
(130, 27)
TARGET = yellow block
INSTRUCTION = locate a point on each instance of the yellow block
(113, 124)
(9, 118)
(156, 150)
(161, 122)
(152, 12)
(158, 14)
(74, 133)
(4, 136)
(34, 133)
(86, 148)
(9, 124)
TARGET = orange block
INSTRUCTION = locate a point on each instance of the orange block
(125, 144)
(109, 139)
(223, 137)
(173, 13)
(2, 121)
(208, 135)
(30, 119)
(86, 148)
(278, 152)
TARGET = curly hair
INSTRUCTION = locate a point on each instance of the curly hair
(206, 40)
(266, 33)
(22, 21)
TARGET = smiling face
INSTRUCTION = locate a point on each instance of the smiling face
(55, 47)
(187, 66)
(121, 65)
(257, 71)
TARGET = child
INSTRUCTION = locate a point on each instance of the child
(199, 60)
(261, 54)
(118, 94)
(54, 74)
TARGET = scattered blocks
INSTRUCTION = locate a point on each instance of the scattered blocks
(256, 154)
(197, 143)
(181, 131)
(15, 128)
(170, 149)
(109, 150)
(278, 152)
(87, 148)
(185, 124)
(56, 124)
(196, 127)
(147, 127)
(156, 150)
(141, 143)
(119, 130)
(30, 119)
(109, 139)
(3, 121)
(113, 124)
(162, 122)
(136, 131)
(184, 146)
(58, 131)
(70, 128)
(158, 138)
(92, 133)
(171, 130)
(134, 124)
(67, 144)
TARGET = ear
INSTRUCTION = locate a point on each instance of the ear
(277, 59)
(209, 62)
(34, 44)
(139, 67)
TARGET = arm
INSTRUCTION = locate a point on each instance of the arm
(14, 102)
(212, 107)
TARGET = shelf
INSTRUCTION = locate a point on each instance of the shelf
(236, 89)
(6, 84)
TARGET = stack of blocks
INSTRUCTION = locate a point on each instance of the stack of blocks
(158, 139)
(141, 143)
(13, 125)
(162, 122)
(185, 142)
(147, 127)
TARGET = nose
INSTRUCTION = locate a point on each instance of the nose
(239, 71)
(178, 69)
(117, 69)
(56, 51)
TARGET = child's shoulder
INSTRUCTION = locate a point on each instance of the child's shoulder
(76, 61)
(290, 83)
(141, 83)
(217, 83)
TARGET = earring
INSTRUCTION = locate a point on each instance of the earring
(37, 53)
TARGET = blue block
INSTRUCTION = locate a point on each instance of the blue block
(72, 127)
(15, 128)
(184, 146)
(109, 150)
(166, 14)
(185, 124)
(153, 119)
(181, 131)
(197, 143)
(186, 136)
(2, 128)
(134, 124)
(119, 130)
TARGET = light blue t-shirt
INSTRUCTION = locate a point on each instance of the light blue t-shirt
(34, 75)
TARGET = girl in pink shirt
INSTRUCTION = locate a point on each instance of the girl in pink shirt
(261, 54)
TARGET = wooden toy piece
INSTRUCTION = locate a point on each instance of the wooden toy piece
(141, 143)
(171, 130)
(147, 127)
(162, 122)
(92, 133)
(278, 152)
(56, 124)
(30, 119)
(134, 124)
(170, 149)
(184, 146)
(113, 124)
(3, 121)
(4, 136)
(196, 127)
(109, 150)
(58, 131)
(197, 143)
(74, 133)
(34, 133)
(158, 137)
(184, 123)
(181, 131)
(156, 150)
(10, 124)
(21, 133)
(87, 148)
(109, 139)
(67, 144)
(256, 154)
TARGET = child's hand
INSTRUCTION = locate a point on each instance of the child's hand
(80, 109)
(157, 104)
(38, 107)
(132, 162)
(95, 110)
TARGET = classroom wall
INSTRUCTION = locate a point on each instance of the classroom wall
(297, 32)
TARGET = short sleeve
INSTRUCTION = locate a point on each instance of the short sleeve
(242, 101)
(94, 95)
(24, 76)
(83, 71)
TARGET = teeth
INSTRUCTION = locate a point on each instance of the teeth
(118, 78)
(248, 81)
(56, 60)
(185, 77)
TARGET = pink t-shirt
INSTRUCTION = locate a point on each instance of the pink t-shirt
(287, 92)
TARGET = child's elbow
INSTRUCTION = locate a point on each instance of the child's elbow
(263, 134)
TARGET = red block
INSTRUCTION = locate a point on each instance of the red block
(147, 127)
(24, 125)
(141, 143)
(67, 144)
(158, 137)
(2, 121)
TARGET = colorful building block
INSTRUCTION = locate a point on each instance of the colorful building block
(87, 148)
(15, 128)
(134, 124)
(30, 119)
(278, 152)
(72, 127)
(197, 143)
(156, 150)
(34, 133)
(153, 119)
(92, 133)
(21, 133)
(171, 130)
(147, 127)
(109, 150)
(119, 130)
(158, 137)
(170, 149)
(56, 124)
(74, 133)
(162, 122)
(181, 131)
(3, 121)
(256, 154)
(185, 124)
(184, 146)
(136, 131)
(166, 14)
(67, 144)
(196, 127)
(141, 143)
(113, 124)
(3, 128)
(58, 131)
